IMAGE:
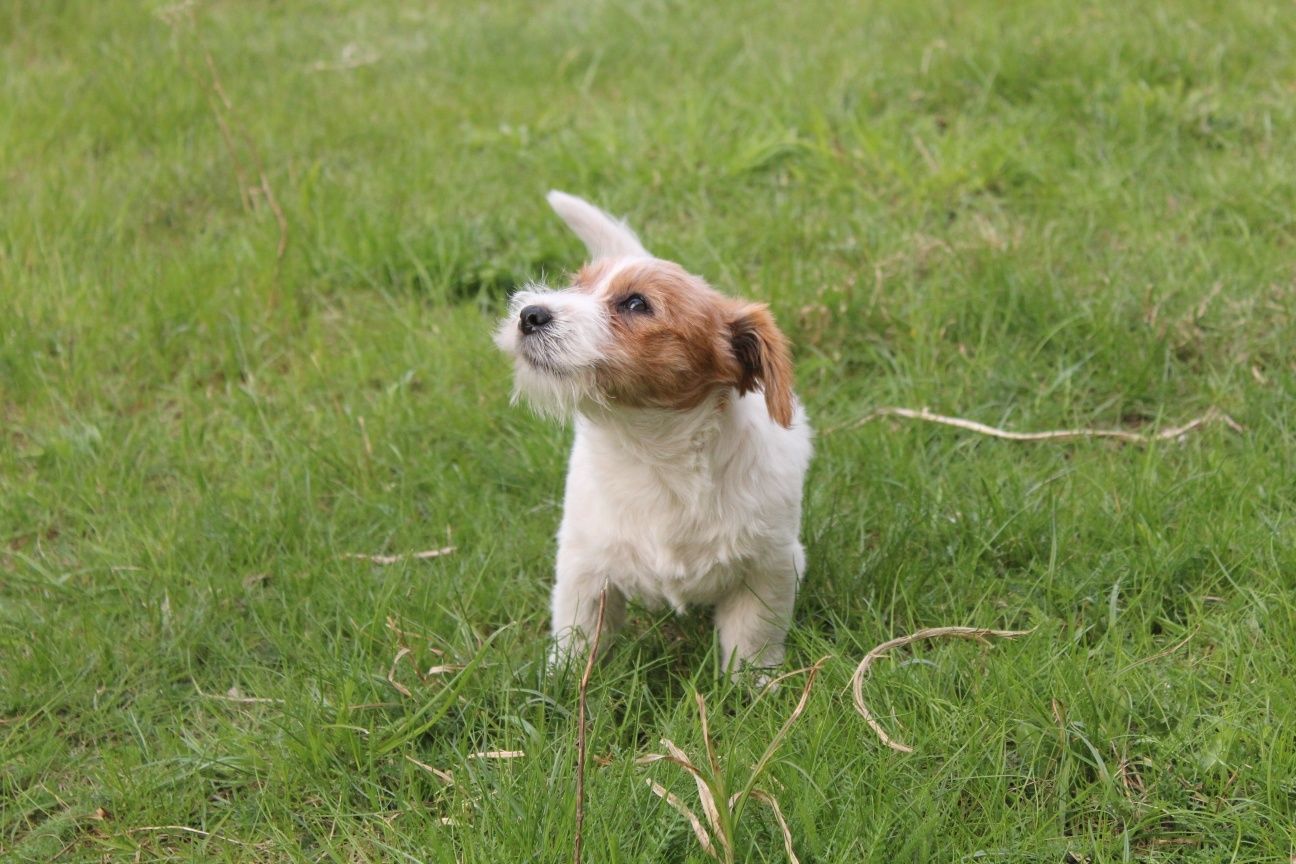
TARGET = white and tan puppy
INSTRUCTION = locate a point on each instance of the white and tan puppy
(685, 479)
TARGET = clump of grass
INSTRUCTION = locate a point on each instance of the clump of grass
(722, 809)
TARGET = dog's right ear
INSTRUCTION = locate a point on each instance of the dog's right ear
(764, 360)
(604, 236)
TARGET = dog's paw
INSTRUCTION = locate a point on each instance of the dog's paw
(758, 679)
(558, 660)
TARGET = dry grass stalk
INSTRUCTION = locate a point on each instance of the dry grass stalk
(405, 651)
(222, 109)
(723, 811)
(706, 731)
(497, 754)
(364, 437)
(395, 627)
(772, 685)
(1059, 718)
(227, 135)
(581, 746)
(1212, 415)
(393, 559)
(264, 185)
(444, 776)
(706, 794)
(779, 737)
(768, 799)
(280, 219)
(1163, 653)
(187, 830)
(391, 673)
(857, 680)
(704, 839)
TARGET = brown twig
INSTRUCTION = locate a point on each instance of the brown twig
(1212, 415)
(580, 730)
(772, 685)
(215, 97)
(857, 680)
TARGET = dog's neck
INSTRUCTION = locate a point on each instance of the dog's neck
(675, 441)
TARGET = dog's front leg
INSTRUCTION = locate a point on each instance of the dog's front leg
(753, 619)
(575, 610)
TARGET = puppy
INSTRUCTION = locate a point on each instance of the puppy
(685, 479)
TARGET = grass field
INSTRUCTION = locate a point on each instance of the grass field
(1036, 216)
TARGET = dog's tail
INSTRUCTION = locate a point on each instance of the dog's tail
(604, 236)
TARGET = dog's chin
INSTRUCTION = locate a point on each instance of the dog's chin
(544, 365)
(550, 388)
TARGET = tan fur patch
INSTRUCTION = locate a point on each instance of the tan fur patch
(692, 341)
(589, 276)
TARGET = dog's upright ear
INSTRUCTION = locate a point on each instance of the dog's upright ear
(604, 236)
(764, 359)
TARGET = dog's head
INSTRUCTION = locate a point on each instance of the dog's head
(633, 330)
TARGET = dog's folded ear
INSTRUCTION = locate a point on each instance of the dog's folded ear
(604, 236)
(764, 359)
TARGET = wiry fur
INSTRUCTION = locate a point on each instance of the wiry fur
(556, 382)
(604, 236)
(685, 479)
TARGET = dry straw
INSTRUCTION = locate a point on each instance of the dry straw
(722, 811)
(1212, 415)
(861, 671)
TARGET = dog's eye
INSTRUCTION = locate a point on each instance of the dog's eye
(635, 303)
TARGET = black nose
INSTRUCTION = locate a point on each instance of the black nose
(533, 318)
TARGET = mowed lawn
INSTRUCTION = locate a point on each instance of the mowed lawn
(251, 255)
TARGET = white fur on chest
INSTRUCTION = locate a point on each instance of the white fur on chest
(680, 513)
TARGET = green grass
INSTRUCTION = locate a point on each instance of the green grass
(1036, 216)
